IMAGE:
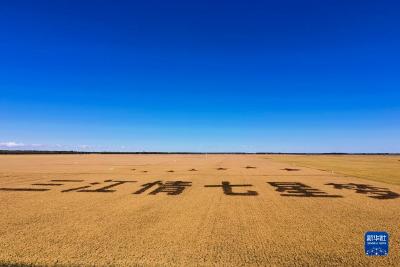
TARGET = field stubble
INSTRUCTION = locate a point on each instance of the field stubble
(200, 225)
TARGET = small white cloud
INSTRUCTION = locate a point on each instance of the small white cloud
(11, 144)
(36, 145)
(83, 146)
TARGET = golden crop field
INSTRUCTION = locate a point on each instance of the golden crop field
(381, 168)
(196, 210)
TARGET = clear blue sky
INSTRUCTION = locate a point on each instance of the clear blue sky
(282, 76)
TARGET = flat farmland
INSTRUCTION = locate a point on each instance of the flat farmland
(186, 210)
(381, 168)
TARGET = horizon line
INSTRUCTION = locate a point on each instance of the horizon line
(21, 152)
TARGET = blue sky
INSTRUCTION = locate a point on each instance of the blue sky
(279, 76)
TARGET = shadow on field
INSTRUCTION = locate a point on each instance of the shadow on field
(169, 187)
(250, 167)
(24, 189)
(376, 192)
(296, 189)
(227, 187)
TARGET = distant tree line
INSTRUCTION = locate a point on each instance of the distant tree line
(27, 152)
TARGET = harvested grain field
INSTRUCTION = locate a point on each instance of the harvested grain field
(381, 168)
(160, 210)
